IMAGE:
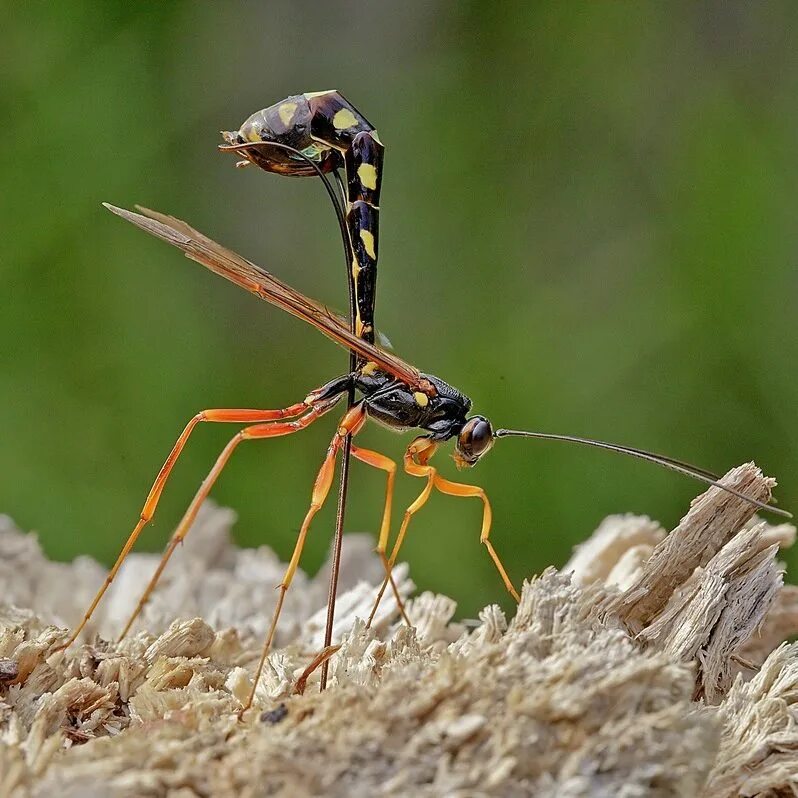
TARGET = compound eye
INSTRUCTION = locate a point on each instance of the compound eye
(481, 436)
(475, 438)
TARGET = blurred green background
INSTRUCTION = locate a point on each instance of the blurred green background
(588, 225)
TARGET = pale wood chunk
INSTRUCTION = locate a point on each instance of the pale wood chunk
(713, 518)
(631, 672)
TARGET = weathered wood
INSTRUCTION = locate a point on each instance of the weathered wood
(633, 671)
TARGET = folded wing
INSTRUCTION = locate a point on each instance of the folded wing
(258, 281)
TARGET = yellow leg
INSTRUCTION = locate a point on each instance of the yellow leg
(459, 489)
(416, 464)
(351, 424)
(384, 463)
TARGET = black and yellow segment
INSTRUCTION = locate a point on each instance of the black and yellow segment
(329, 131)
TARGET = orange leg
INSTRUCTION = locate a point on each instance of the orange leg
(350, 425)
(148, 511)
(302, 682)
(416, 464)
(384, 463)
(256, 432)
(459, 489)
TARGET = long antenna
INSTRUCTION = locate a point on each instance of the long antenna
(666, 462)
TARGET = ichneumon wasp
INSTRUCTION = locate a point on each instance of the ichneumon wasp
(316, 134)
(390, 390)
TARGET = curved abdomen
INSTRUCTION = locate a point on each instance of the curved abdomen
(326, 128)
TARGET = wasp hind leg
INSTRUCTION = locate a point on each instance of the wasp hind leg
(241, 416)
(254, 432)
(316, 404)
(350, 425)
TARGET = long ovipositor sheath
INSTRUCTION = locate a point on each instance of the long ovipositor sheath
(326, 131)
(329, 131)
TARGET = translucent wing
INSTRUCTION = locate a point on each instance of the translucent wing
(258, 281)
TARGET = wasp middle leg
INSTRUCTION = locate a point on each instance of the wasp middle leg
(384, 463)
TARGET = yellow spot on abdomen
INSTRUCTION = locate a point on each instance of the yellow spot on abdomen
(355, 269)
(344, 119)
(286, 112)
(367, 237)
(422, 400)
(368, 175)
(251, 133)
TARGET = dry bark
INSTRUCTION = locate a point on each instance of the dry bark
(637, 670)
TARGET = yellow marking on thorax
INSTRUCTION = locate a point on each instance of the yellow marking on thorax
(367, 237)
(368, 175)
(286, 112)
(344, 119)
(422, 400)
(369, 368)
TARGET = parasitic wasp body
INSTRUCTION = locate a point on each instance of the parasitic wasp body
(317, 134)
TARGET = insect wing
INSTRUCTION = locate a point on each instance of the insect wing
(247, 275)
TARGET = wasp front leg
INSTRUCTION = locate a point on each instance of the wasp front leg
(459, 489)
(416, 463)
